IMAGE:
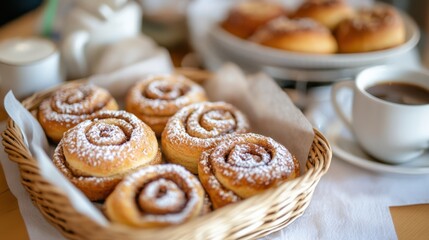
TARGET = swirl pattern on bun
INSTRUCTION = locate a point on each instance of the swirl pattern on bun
(156, 98)
(198, 127)
(70, 105)
(97, 153)
(243, 166)
(156, 196)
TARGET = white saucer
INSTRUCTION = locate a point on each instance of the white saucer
(345, 147)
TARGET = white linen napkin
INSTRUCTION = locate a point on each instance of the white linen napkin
(134, 48)
(119, 81)
(353, 203)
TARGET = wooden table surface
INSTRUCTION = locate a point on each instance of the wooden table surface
(11, 223)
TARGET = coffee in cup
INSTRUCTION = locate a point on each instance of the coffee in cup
(400, 93)
(390, 112)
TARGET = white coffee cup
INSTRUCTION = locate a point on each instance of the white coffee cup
(86, 35)
(391, 132)
(28, 65)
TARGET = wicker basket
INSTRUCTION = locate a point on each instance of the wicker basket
(252, 218)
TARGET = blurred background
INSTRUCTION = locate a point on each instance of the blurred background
(11, 9)
(161, 14)
(165, 22)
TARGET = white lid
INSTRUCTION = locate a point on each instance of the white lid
(25, 50)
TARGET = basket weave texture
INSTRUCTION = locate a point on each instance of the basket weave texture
(252, 218)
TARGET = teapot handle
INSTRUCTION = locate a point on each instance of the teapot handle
(106, 9)
(73, 50)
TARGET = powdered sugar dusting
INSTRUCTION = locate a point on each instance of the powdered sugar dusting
(61, 163)
(374, 18)
(174, 191)
(163, 95)
(203, 124)
(71, 105)
(102, 133)
(248, 156)
(165, 90)
(277, 163)
(213, 185)
(283, 25)
(114, 137)
(248, 159)
(161, 196)
(96, 188)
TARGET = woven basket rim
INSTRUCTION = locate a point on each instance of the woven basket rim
(19, 153)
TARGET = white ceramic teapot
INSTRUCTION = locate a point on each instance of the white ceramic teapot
(91, 26)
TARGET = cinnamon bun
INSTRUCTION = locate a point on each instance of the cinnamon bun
(156, 98)
(156, 196)
(198, 127)
(71, 105)
(327, 12)
(376, 28)
(245, 17)
(97, 153)
(243, 166)
(298, 35)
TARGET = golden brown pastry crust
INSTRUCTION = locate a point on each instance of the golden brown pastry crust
(156, 98)
(97, 153)
(69, 106)
(243, 166)
(327, 12)
(376, 28)
(156, 196)
(298, 35)
(198, 127)
(245, 17)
